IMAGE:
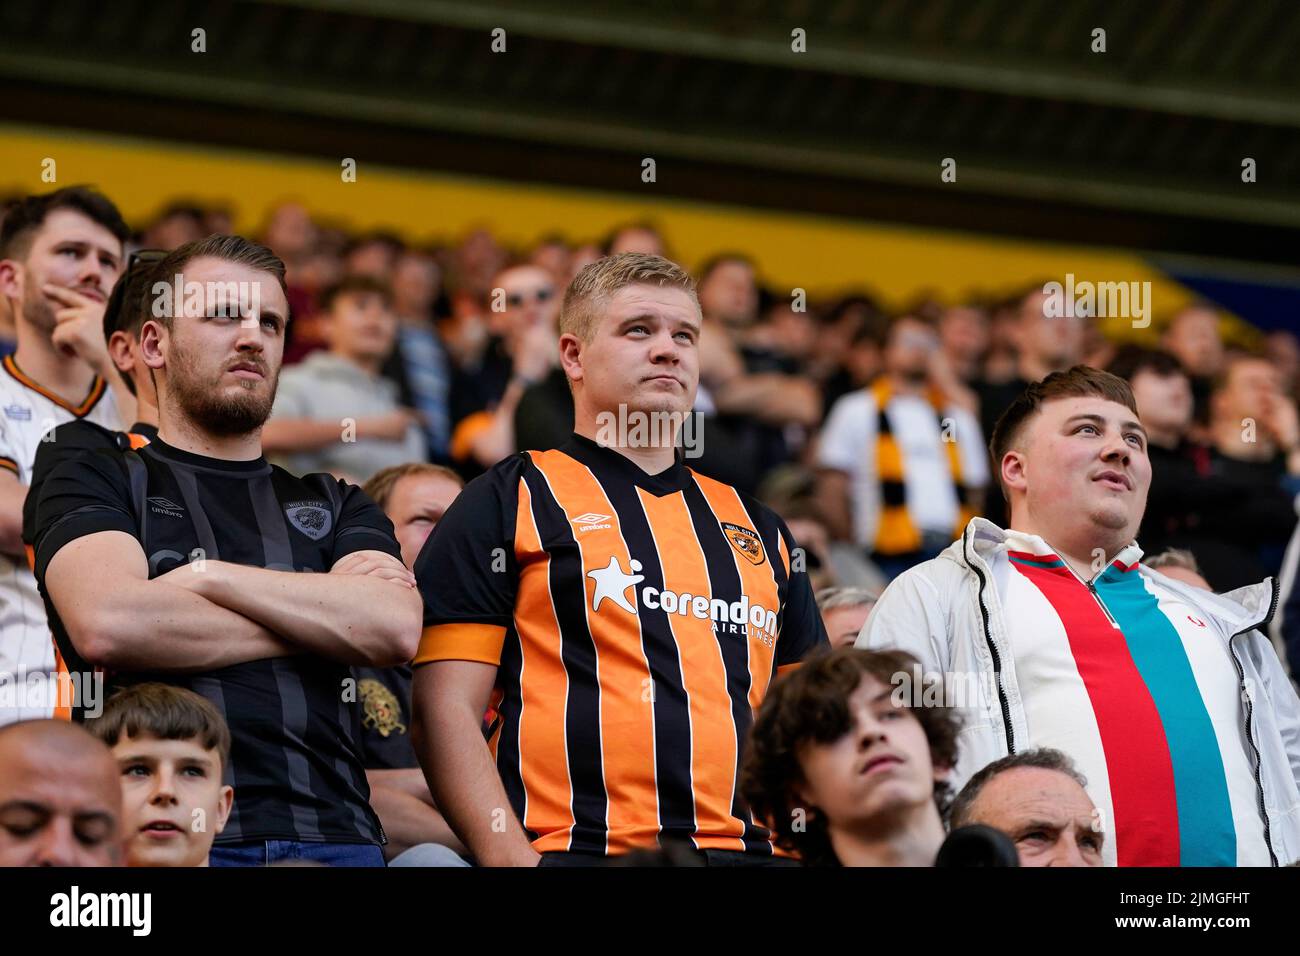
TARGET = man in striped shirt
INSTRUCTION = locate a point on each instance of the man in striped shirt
(1169, 699)
(622, 614)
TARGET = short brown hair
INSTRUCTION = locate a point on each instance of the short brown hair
(163, 711)
(601, 279)
(23, 221)
(1077, 382)
(811, 706)
(128, 303)
(356, 284)
(235, 249)
(381, 484)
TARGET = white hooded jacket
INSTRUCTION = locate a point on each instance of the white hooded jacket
(947, 613)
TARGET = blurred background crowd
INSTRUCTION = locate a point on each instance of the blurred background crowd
(448, 354)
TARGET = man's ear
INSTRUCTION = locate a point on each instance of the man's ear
(1218, 399)
(119, 350)
(151, 344)
(571, 356)
(1014, 470)
(11, 279)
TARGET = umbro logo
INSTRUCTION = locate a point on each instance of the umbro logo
(165, 506)
(591, 521)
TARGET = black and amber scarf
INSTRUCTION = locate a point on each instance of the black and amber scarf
(896, 533)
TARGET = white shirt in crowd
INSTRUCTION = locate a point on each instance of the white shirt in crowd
(27, 413)
(848, 444)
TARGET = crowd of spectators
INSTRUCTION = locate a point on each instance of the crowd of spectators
(448, 354)
(411, 370)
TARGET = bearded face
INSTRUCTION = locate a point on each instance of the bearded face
(196, 387)
(37, 309)
(218, 362)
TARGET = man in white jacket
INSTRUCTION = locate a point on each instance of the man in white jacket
(1051, 634)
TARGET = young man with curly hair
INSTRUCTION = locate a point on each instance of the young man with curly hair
(846, 764)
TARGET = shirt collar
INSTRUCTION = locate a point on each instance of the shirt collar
(1025, 546)
(595, 455)
(251, 467)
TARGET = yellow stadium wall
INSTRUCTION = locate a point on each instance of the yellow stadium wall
(816, 253)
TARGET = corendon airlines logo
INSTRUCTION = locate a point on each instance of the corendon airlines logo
(612, 584)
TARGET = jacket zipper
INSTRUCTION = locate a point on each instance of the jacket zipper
(1102, 604)
(988, 639)
(1250, 710)
(1096, 595)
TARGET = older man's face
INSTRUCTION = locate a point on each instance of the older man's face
(1047, 815)
(844, 624)
(59, 805)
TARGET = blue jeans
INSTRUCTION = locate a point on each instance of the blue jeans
(428, 854)
(272, 852)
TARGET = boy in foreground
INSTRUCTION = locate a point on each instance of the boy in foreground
(171, 748)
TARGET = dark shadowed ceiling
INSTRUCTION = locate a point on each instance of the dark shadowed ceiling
(1140, 146)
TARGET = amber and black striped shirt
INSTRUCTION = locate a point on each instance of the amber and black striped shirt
(636, 621)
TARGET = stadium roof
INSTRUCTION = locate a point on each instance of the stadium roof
(1141, 145)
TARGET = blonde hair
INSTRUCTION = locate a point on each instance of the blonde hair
(1174, 558)
(830, 599)
(380, 486)
(601, 279)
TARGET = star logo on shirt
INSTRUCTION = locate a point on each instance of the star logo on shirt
(612, 583)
